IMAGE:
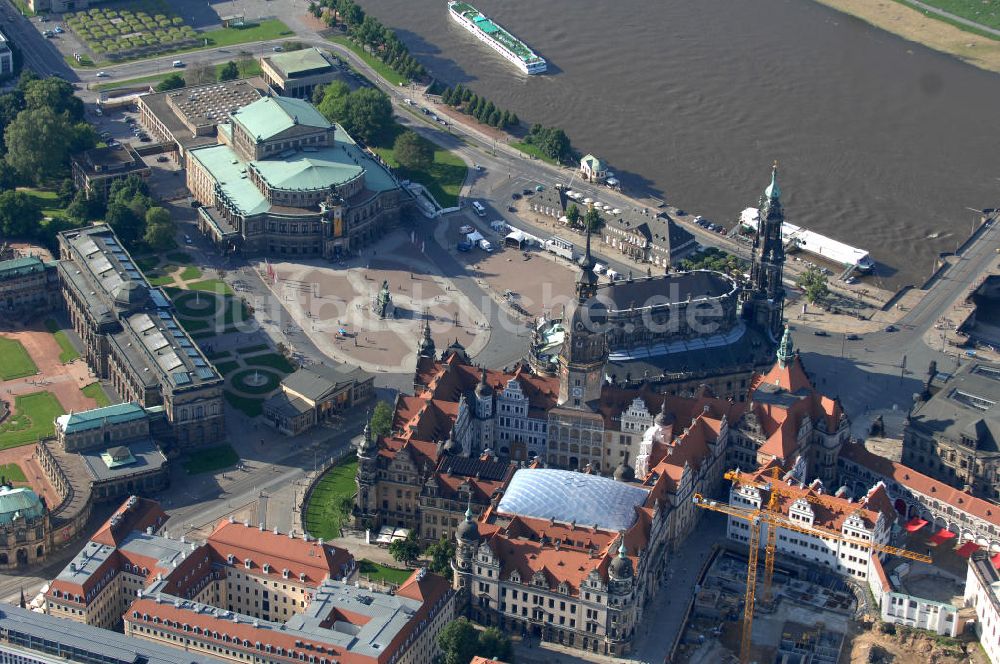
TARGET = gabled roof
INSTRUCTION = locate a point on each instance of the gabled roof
(269, 116)
(135, 514)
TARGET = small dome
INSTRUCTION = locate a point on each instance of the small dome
(131, 294)
(18, 503)
(621, 566)
(483, 389)
(467, 531)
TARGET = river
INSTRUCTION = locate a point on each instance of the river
(881, 142)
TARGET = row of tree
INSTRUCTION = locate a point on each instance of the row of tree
(200, 75)
(369, 32)
(365, 113)
(478, 107)
(713, 258)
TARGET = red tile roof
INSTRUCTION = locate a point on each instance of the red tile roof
(143, 513)
(920, 483)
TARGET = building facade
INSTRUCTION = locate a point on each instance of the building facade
(132, 339)
(25, 528)
(284, 181)
(298, 73)
(982, 592)
(314, 395)
(29, 287)
(97, 169)
(246, 594)
(952, 432)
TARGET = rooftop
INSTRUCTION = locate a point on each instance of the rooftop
(94, 419)
(113, 160)
(143, 456)
(572, 497)
(319, 381)
(270, 116)
(31, 631)
(965, 408)
(19, 503)
(297, 64)
(20, 267)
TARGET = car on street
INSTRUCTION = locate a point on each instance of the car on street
(58, 30)
(187, 239)
(853, 337)
(178, 64)
(278, 49)
(145, 139)
(681, 213)
(408, 101)
(526, 192)
(821, 333)
(515, 196)
(539, 187)
(111, 142)
(161, 159)
(891, 328)
(477, 167)
(102, 74)
(511, 208)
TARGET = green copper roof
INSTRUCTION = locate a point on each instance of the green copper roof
(92, 419)
(18, 503)
(309, 170)
(298, 63)
(785, 348)
(270, 116)
(18, 267)
(773, 190)
(230, 174)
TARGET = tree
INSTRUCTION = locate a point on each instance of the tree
(8, 176)
(573, 214)
(367, 114)
(459, 641)
(66, 192)
(813, 282)
(592, 220)
(56, 94)
(83, 210)
(381, 422)
(229, 72)
(20, 215)
(405, 550)
(333, 102)
(441, 554)
(446, 96)
(494, 645)
(200, 74)
(413, 151)
(127, 225)
(171, 82)
(38, 144)
(159, 233)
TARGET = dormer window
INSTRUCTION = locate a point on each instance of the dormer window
(284, 573)
(231, 559)
(266, 567)
(248, 563)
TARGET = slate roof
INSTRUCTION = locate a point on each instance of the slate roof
(965, 407)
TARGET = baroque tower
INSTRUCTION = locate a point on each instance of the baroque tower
(765, 298)
(366, 500)
(584, 351)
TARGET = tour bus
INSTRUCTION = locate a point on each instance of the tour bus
(478, 207)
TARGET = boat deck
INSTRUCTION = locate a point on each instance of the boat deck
(496, 32)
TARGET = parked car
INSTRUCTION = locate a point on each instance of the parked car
(821, 333)
(278, 49)
(466, 229)
(161, 159)
(178, 64)
(145, 139)
(464, 246)
(58, 30)
(526, 192)
(515, 196)
(102, 74)
(853, 337)
(187, 239)
(891, 328)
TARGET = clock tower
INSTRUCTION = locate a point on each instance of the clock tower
(584, 351)
(764, 299)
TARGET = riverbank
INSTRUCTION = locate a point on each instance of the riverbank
(913, 25)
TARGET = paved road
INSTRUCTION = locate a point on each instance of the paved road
(40, 54)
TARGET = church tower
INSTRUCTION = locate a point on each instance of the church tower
(765, 298)
(366, 500)
(584, 351)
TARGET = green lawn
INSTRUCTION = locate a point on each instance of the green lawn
(251, 68)
(529, 149)
(249, 406)
(23, 8)
(146, 263)
(193, 324)
(12, 472)
(266, 30)
(212, 286)
(47, 199)
(95, 392)
(382, 69)
(984, 12)
(14, 360)
(323, 516)
(443, 179)
(384, 573)
(226, 368)
(210, 459)
(162, 280)
(34, 418)
(190, 272)
(272, 360)
(67, 352)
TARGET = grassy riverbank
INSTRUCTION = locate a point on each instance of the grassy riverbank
(930, 30)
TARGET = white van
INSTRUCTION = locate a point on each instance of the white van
(486, 246)
(600, 268)
(478, 207)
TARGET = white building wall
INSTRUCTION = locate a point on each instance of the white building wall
(911, 611)
(986, 600)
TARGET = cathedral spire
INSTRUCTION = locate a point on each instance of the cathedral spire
(773, 191)
(586, 281)
(426, 346)
(785, 349)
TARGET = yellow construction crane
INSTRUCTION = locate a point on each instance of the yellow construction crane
(775, 520)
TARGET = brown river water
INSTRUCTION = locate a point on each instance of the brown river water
(881, 142)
